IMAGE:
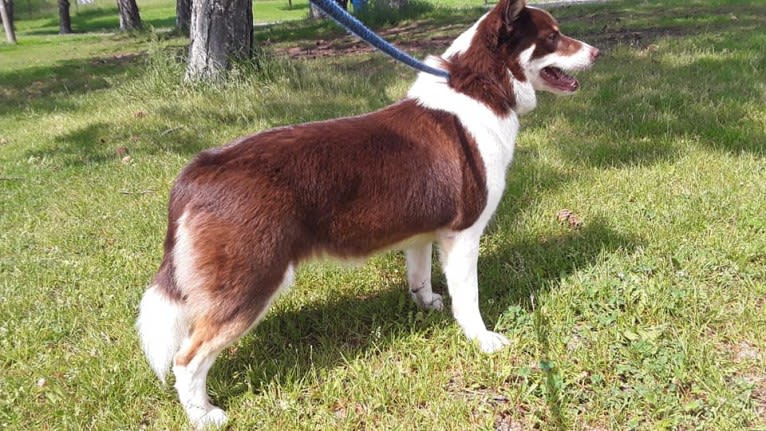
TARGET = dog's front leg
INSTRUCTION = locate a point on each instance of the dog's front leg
(460, 256)
(419, 277)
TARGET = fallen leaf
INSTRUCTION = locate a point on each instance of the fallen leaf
(566, 216)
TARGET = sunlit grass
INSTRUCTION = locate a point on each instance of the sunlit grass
(651, 315)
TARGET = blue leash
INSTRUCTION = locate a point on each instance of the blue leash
(356, 27)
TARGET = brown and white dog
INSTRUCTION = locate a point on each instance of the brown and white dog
(430, 168)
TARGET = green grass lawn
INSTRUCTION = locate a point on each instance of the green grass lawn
(651, 315)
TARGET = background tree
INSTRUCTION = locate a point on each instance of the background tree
(221, 31)
(129, 16)
(183, 15)
(9, 9)
(65, 20)
(397, 4)
(10, 33)
(316, 13)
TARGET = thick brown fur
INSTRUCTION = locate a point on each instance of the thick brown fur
(345, 188)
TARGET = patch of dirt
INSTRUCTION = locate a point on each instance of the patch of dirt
(505, 422)
(759, 397)
(744, 352)
(118, 59)
(418, 36)
(349, 46)
(567, 217)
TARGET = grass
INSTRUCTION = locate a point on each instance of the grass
(651, 315)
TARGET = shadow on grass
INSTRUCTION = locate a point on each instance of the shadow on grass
(167, 128)
(302, 6)
(289, 346)
(98, 19)
(652, 104)
(648, 118)
(400, 26)
(50, 88)
(653, 119)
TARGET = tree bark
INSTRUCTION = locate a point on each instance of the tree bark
(397, 4)
(221, 31)
(130, 19)
(65, 21)
(10, 33)
(183, 15)
(315, 12)
(10, 10)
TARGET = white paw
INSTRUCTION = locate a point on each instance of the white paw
(435, 302)
(213, 419)
(491, 341)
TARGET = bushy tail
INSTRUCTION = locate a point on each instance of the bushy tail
(162, 325)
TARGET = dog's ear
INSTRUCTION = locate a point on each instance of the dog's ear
(510, 11)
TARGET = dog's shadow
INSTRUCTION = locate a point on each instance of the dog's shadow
(290, 345)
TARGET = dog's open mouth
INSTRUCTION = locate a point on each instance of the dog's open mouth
(559, 80)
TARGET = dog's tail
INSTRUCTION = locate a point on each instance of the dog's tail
(162, 325)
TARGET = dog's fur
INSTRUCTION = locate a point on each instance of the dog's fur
(430, 168)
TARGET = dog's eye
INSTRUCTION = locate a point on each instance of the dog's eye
(553, 37)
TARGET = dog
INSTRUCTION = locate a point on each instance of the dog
(428, 169)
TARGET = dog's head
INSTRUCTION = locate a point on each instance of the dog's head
(513, 51)
(538, 51)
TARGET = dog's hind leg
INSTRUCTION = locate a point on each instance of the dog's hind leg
(419, 277)
(216, 327)
(460, 257)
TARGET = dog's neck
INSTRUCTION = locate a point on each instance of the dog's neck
(524, 92)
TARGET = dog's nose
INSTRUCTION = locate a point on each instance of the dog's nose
(594, 54)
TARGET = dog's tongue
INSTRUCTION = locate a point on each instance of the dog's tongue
(560, 80)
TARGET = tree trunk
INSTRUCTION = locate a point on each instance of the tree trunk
(221, 31)
(65, 21)
(10, 10)
(397, 4)
(315, 12)
(10, 34)
(183, 15)
(129, 16)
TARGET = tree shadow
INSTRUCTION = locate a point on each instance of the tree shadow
(83, 21)
(42, 89)
(300, 6)
(666, 102)
(651, 120)
(410, 24)
(97, 19)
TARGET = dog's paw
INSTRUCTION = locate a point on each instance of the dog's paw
(491, 341)
(435, 302)
(215, 418)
